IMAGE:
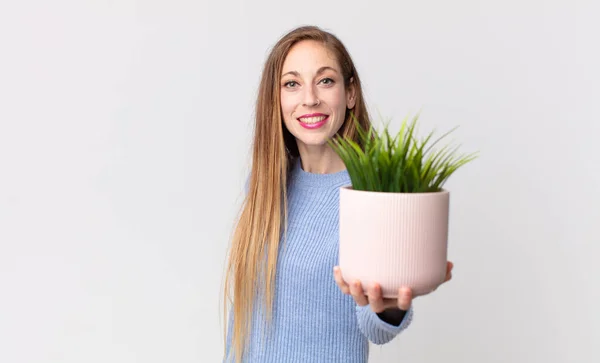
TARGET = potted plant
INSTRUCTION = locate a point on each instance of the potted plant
(394, 216)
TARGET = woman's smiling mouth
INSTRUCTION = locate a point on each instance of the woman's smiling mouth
(313, 121)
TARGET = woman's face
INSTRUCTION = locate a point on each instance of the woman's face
(313, 96)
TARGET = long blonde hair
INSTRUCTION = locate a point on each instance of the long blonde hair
(262, 221)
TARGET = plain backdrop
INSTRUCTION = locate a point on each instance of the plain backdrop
(125, 128)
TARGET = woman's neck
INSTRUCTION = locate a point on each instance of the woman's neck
(320, 160)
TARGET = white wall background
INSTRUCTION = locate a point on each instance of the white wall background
(124, 130)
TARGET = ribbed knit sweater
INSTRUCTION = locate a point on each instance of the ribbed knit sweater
(313, 321)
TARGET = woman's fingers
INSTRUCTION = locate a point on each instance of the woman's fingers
(375, 298)
(337, 274)
(449, 268)
(358, 294)
(354, 289)
(404, 298)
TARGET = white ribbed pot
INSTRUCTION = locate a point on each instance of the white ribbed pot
(394, 239)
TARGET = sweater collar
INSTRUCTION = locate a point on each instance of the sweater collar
(304, 178)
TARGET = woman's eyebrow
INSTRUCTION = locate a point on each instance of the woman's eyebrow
(321, 70)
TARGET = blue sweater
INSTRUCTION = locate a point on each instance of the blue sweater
(313, 321)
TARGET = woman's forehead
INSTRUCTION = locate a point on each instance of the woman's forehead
(309, 57)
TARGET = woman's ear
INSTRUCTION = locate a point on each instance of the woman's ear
(351, 94)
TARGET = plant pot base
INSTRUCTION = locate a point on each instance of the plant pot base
(391, 292)
(394, 239)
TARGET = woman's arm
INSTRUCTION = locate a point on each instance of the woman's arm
(392, 316)
(379, 319)
(380, 331)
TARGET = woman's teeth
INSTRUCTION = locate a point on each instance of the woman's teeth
(313, 120)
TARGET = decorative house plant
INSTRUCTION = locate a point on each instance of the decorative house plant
(394, 216)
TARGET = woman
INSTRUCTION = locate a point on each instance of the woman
(289, 301)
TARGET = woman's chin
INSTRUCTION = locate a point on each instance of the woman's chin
(313, 142)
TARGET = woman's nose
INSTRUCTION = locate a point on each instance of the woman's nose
(310, 97)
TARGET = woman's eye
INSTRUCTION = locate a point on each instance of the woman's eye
(327, 81)
(290, 84)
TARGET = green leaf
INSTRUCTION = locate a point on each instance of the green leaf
(400, 163)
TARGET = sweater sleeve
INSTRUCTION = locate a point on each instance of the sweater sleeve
(377, 330)
(228, 355)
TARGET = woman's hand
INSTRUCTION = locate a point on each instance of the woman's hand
(373, 294)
